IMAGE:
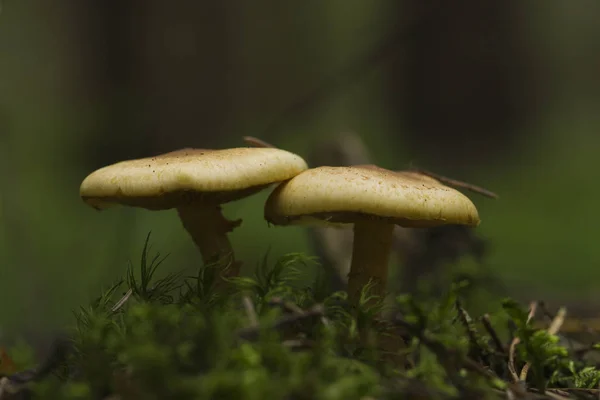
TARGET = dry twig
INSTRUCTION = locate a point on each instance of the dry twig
(533, 306)
(256, 142)
(250, 311)
(252, 332)
(553, 330)
(457, 183)
(290, 307)
(487, 324)
(122, 301)
(467, 322)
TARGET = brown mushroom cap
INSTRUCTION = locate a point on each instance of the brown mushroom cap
(189, 175)
(351, 194)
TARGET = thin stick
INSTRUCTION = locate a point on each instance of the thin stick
(511, 359)
(487, 324)
(466, 321)
(446, 354)
(288, 306)
(298, 344)
(557, 322)
(457, 183)
(256, 142)
(250, 311)
(533, 306)
(251, 333)
(122, 301)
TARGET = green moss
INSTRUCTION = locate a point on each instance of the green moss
(273, 336)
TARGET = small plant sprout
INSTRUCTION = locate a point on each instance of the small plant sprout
(195, 182)
(373, 199)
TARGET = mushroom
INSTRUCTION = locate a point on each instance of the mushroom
(195, 182)
(374, 200)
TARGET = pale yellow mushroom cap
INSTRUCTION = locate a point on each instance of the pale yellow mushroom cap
(189, 175)
(349, 194)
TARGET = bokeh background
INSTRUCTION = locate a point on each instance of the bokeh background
(505, 94)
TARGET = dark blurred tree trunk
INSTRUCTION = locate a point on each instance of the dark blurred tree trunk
(158, 73)
(107, 54)
(183, 66)
(464, 84)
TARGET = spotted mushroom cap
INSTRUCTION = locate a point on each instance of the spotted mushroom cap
(343, 195)
(189, 175)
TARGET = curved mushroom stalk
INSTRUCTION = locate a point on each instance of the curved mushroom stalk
(370, 258)
(209, 229)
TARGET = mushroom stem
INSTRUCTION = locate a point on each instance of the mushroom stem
(209, 228)
(370, 258)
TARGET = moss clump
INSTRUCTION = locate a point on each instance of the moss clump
(269, 337)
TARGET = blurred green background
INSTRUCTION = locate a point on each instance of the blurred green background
(505, 94)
